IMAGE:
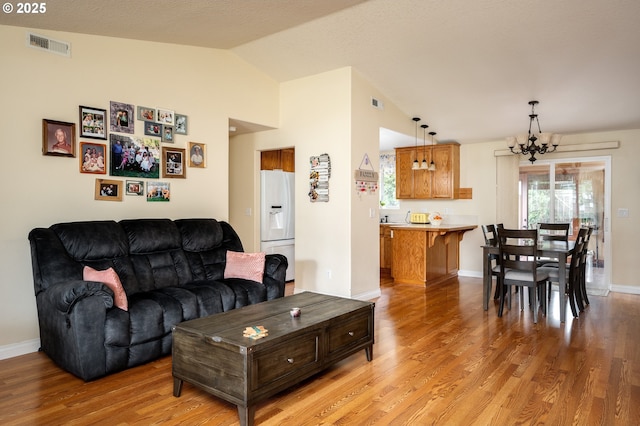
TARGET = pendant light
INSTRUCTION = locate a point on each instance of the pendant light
(424, 165)
(416, 165)
(432, 166)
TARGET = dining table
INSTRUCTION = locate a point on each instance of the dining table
(560, 250)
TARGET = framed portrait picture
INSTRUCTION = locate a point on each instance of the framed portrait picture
(151, 128)
(146, 114)
(93, 122)
(165, 116)
(133, 156)
(108, 190)
(134, 187)
(173, 163)
(158, 191)
(121, 117)
(93, 158)
(197, 155)
(181, 125)
(58, 138)
(167, 133)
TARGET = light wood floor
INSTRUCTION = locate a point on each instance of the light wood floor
(438, 359)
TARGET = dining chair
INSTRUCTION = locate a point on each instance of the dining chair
(573, 274)
(491, 239)
(552, 232)
(584, 258)
(517, 258)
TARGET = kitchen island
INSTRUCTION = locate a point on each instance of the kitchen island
(426, 254)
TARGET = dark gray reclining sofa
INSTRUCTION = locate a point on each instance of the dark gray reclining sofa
(172, 271)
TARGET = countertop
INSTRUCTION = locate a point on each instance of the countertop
(445, 227)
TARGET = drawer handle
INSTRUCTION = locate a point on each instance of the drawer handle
(351, 333)
(290, 360)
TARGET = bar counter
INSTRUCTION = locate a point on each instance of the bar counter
(426, 254)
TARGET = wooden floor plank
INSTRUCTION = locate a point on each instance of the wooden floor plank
(438, 359)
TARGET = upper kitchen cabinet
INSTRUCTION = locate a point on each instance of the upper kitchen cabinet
(443, 183)
(279, 159)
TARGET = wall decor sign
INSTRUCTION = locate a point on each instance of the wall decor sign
(132, 156)
(58, 138)
(93, 122)
(319, 178)
(158, 191)
(93, 158)
(173, 162)
(108, 190)
(197, 155)
(181, 126)
(146, 114)
(366, 178)
(121, 117)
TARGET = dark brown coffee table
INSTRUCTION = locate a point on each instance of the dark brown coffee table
(212, 353)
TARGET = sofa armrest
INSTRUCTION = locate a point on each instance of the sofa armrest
(63, 296)
(275, 270)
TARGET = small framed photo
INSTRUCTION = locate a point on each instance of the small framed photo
(181, 125)
(134, 187)
(167, 133)
(93, 122)
(151, 128)
(158, 191)
(108, 190)
(173, 161)
(197, 155)
(146, 114)
(121, 117)
(93, 158)
(58, 138)
(165, 116)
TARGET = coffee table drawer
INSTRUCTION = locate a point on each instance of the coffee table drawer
(292, 357)
(352, 332)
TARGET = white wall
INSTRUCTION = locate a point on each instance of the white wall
(207, 85)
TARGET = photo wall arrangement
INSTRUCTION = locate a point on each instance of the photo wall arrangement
(140, 144)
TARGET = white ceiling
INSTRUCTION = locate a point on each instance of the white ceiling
(467, 67)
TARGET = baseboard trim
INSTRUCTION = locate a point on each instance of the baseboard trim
(17, 349)
(369, 295)
(625, 289)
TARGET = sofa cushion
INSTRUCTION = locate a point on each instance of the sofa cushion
(249, 266)
(92, 240)
(199, 234)
(111, 280)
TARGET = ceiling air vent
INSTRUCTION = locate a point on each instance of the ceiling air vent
(376, 103)
(50, 45)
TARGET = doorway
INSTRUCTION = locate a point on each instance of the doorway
(575, 191)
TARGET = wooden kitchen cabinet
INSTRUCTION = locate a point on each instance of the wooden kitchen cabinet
(443, 183)
(281, 159)
(386, 247)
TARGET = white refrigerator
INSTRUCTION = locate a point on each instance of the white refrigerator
(277, 224)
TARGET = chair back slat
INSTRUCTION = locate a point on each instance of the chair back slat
(518, 249)
(554, 231)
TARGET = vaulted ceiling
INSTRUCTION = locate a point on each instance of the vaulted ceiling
(467, 67)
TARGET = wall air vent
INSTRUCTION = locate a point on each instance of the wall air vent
(50, 45)
(376, 103)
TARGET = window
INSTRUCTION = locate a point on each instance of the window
(388, 181)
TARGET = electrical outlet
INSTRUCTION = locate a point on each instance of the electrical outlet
(247, 211)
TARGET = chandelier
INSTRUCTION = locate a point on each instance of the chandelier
(527, 142)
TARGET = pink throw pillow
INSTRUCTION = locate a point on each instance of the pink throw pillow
(110, 278)
(249, 266)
